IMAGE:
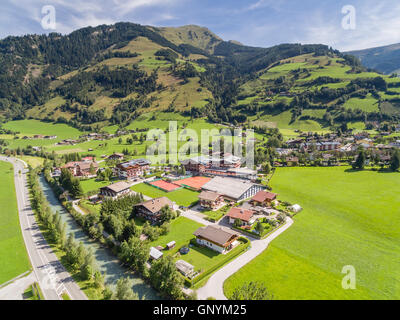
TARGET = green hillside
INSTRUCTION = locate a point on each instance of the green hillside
(112, 75)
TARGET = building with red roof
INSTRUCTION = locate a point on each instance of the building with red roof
(263, 198)
(244, 215)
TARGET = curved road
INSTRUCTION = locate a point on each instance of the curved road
(48, 271)
(215, 285)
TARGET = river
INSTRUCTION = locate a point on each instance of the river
(107, 263)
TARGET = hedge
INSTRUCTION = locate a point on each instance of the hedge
(189, 283)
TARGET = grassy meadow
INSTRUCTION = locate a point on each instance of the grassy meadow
(349, 218)
(182, 197)
(14, 258)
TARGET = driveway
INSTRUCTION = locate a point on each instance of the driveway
(215, 285)
(15, 290)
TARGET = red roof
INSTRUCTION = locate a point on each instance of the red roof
(240, 213)
(263, 196)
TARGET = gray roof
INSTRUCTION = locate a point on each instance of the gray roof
(155, 254)
(229, 187)
(184, 267)
(118, 187)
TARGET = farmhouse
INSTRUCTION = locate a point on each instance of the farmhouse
(116, 156)
(82, 168)
(115, 190)
(232, 189)
(132, 169)
(217, 238)
(210, 200)
(151, 210)
(245, 216)
(263, 198)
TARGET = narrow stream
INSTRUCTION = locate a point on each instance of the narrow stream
(107, 263)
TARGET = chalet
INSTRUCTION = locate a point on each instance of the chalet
(263, 198)
(116, 157)
(132, 169)
(217, 238)
(322, 146)
(232, 189)
(82, 168)
(215, 161)
(151, 210)
(210, 200)
(115, 190)
(244, 215)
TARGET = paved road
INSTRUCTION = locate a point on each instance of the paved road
(47, 269)
(214, 286)
(15, 290)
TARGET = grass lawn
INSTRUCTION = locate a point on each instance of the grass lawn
(218, 214)
(203, 258)
(94, 184)
(349, 218)
(181, 231)
(88, 207)
(182, 197)
(34, 162)
(13, 257)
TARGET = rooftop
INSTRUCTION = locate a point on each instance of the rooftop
(216, 234)
(155, 205)
(263, 196)
(229, 187)
(118, 187)
(240, 213)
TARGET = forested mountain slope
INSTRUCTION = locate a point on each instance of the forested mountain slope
(113, 74)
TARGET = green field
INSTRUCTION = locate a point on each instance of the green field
(368, 104)
(181, 231)
(94, 184)
(13, 257)
(182, 197)
(349, 218)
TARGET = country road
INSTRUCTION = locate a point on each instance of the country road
(48, 271)
(215, 285)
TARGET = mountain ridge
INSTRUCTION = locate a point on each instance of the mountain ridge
(111, 74)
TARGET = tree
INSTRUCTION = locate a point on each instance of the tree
(92, 169)
(266, 167)
(259, 228)
(395, 162)
(237, 223)
(165, 277)
(135, 253)
(124, 290)
(251, 291)
(360, 161)
(167, 214)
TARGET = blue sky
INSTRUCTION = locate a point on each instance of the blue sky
(253, 22)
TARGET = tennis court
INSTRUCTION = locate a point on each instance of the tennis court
(194, 183)
(165, 186)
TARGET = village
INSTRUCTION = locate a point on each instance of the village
(230, 205)
(231, 201)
